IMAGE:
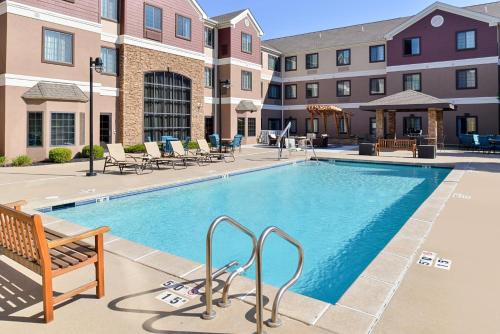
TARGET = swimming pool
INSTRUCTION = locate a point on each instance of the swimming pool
(343, 214)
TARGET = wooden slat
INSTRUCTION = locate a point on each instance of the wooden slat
(77, 246)
(75, 292)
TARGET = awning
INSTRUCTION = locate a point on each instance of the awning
(49, 91)
(408, 100)
(246, 105)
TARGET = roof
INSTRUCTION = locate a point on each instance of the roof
(55, 92)
(228, 16)
(235, 17)
(246, 105)
(408, 100)
(360, 33)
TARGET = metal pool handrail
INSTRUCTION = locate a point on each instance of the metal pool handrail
(209, 312)
(274, 321)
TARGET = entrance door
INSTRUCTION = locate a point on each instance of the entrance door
(105, 129)
(209, 127)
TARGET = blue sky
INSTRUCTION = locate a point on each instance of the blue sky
(295, 17)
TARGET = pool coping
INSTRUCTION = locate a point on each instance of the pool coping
(363, 303)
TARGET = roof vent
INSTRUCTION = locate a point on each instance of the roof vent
(486, 9)
(320, 35)
(363, 28)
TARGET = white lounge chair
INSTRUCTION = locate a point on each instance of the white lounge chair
(155, 156)
(118, 157)
(204, 151)
(179, 153)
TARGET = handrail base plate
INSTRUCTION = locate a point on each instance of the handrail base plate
(206, 316)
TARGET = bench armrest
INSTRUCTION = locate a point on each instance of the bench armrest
(64, 241)
(16, 205)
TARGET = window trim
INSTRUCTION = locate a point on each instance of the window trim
(144, 18)
(337, 88)
(296, 90)
(370, 53)
(466, 48)
(419, 46)
(464, 70)
(251, 79)
(408, 74)
(118, 9)
(466, 116)
(72, 64)
(117, 64)
(238, 119)
(211, 69)
(177, 16)
(205, 28)
(74, 130)
(251, 43)
(296, 64)
(317, 65)
(312, 83)
(28, 130)
(337, 57)
(254, 132)
(370, 86)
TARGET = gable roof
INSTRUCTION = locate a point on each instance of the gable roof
(407, 100)
(49, 91)
(198, 8)
(491, 20)
(230, 19)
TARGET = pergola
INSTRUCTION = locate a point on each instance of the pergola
(410, 101)
(330, 110)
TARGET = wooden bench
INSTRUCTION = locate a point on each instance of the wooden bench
(50, 254)
(391, 145)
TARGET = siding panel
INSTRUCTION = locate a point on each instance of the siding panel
(82, 9)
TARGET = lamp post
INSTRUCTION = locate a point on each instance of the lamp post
(222, 84)
(94, 65)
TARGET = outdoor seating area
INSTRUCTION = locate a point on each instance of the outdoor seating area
(480, 143)
(391, 145)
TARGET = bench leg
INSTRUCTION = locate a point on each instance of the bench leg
(48, 301)
(99, 265)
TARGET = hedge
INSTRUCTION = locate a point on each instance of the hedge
(60, 155)
(98, 152)
(22, 160)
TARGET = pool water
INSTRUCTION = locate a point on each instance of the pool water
(342, 213)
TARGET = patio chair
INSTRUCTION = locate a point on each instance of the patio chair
(214, 141)
(235, 143)
(484, 143)
(154, 155)
(291, 145)
(181, 155)
(49, 253)
(273, 139)
(118, 157)
(476, 145)
(167, 149)
(204, 151)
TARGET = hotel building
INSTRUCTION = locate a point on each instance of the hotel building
(164, 60)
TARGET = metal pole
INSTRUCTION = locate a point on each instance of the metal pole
(91, 139)
(220, 117)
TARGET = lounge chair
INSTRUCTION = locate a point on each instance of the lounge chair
(181, 155)
(273, 139)
(291, 145)
(50, 254)
(154, 155)
(117, 157)
(204, 151)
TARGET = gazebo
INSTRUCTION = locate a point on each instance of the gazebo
(410, 101)
(327, 110)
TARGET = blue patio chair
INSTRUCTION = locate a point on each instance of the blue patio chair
(484, 143)
(214, 141)
(235, 143)
(495, 147)
(476, 145)
(167, 148)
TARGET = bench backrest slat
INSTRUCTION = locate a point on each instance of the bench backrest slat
(397, 143)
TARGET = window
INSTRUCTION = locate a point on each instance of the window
(57, 47)
(167, 105)
(246, 80)
(62, 129)
(343, 126)
(293, 126)
(412, 81)
(35, 129)
(152, 17)
(182, 27)
(246, 42)
(274, 124)
(343, 57)
(109, 60)
(312, 90)
(105, 128)
(312, 61)
(466, 40)
(209, 77)
(290, 92)
(291, 63)
(467, 125)
(373, 126)
(252, 127)
(209, 37)
(109, 9)
(315, 128)
(467, 79)
(241, 126)
(274, 92)
(344, 88)
(411, 46)
(412, 125)
(273, 63)
(377, 86)
(377, 53)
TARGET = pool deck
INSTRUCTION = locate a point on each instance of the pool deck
(393, 295)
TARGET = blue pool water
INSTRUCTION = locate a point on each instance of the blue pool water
(342, 213)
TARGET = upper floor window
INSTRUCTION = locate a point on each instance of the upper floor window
(274, 92)
(467, 79)
(344, 88)
(411, 46)
(290, 91)
(209, 77)
(377, 53)
(209, 37)
(57, 47)
(412, 82)
(246, 42)
(291, 63)
(466, 40)
(343, 57)
(109, 60)
(152, 17)
(312, 61)
(109, 9)
(377, 86)
(246, 80)
(273, 63)
(312, 90)
(182, 27)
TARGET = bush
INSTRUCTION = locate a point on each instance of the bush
(3, 161)
(60, 155)
(139, 148)
(193, 145)
(98, 152)
(22, 160)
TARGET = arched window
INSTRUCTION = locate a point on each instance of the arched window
(167, 105)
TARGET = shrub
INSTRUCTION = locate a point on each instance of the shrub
(60, 155)
(3, 161)
(138, 148)
(98, 152)
(22, 160)
(193, 145)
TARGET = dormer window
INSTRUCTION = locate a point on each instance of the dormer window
(466, 40)
(411, 46)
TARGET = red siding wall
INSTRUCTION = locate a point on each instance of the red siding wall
(439, 44)
(83, 9)
(224, 43)
(236, 52)
(134, 22)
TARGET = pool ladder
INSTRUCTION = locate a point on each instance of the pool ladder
(257, 249)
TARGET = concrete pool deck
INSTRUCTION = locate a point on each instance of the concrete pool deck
(393, 295)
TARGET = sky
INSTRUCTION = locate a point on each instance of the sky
(290, 17)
